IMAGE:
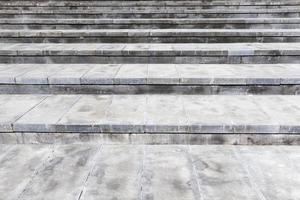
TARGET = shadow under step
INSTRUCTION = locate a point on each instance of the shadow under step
(119, 3)
(155, 13)
(151, 36)
(211, 23)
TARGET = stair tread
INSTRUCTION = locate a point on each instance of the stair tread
(148, 32)
(150, 49)
(150, 113)
(150, 2)
(156, 20)
(294, 9)
(139, 74)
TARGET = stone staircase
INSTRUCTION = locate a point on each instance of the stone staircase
(155, 72)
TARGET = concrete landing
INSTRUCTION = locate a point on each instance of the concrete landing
(86, 172)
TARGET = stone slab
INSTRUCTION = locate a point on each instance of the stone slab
(18, 167)
(150, 33)
(64, 174)
(12, 107)
(148, 49)
(152, 114)
(150, 74)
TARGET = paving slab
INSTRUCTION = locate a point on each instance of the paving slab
(100, 74)
(63, 175)
(38, 74)
(132, 74)
(47, 113)
(88, 110)
(83, 172)
(15, 106)
(280, 184)
(167, 173)
(69, 75)
(219, 167)
(18, 166)
(117, 174)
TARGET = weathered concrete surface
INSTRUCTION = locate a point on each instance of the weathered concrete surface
(92, 3)
(108, 23)
(148, 138)
(150, 74)
(150, 35)
(148, 49)
(85, 172)
(239, 114)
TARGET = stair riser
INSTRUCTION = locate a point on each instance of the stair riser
(96, 2)
(151, 59)
(148, 15)
(153, 89)
(154, 26)
(173, 138)
(135, 39)
(179, 6)
(204, 4)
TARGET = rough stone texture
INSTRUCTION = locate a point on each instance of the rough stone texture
(90, 171)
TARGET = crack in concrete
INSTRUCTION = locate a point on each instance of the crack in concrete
(94, 161)
(141, 172)
(35, 174)
(245, 166)
(194, 173)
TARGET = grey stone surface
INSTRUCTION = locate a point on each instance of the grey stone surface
(150, 172)
(15, 106)
(145, 49)
(148, 138)
(19, 165)
(45, 115)
(151, 113)
(63, 175)
(152, 74)
(132, 74)
(108, 23)
(117, 174)
(173, 47)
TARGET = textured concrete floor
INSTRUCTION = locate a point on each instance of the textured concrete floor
(86, 171)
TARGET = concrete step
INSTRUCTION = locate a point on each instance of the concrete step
(175, 53)
(119, 3)
(150, 13)
(149, 7)
(221, 23)
(151, 35)
(142, 114)
(149, 79)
